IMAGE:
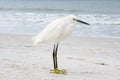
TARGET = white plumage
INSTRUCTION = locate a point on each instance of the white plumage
(56, 31)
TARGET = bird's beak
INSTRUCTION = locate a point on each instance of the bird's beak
(74, 19)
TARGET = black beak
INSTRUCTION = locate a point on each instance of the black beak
(83, 22)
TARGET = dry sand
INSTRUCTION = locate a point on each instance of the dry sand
(83, 58)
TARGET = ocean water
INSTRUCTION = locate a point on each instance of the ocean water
(31, 16)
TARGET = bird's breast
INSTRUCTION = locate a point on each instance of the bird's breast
(66, 32)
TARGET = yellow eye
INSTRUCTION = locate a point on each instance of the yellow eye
(74, 19)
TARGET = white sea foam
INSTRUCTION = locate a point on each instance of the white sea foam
(43, 18)
(101, 19)
(30, 23)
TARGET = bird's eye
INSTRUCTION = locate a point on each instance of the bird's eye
(74, 19)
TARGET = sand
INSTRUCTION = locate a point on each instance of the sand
(83, 58)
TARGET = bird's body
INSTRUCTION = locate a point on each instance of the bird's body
(56, 31)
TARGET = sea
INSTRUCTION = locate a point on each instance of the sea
(32, 16)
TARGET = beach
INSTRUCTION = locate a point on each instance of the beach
(90, 53)
(84, 58)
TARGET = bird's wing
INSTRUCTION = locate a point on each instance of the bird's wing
(67, 31)
(51, 32)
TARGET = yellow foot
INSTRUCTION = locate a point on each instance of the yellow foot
(57, 71)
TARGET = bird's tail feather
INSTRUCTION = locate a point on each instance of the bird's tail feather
(34, 39)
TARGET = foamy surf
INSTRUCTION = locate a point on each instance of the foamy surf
(107, 25)
(44, 17)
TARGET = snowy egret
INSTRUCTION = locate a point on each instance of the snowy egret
(56, 31)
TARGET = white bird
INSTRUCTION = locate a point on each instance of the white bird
(56, 31)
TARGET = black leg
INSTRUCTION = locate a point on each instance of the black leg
(55, 56)
(56, 70)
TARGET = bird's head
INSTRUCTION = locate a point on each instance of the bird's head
(73, 19)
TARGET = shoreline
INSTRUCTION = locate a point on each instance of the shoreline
(83, 58)
(113, 41)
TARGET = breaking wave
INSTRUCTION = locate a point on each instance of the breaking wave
(98, 19)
